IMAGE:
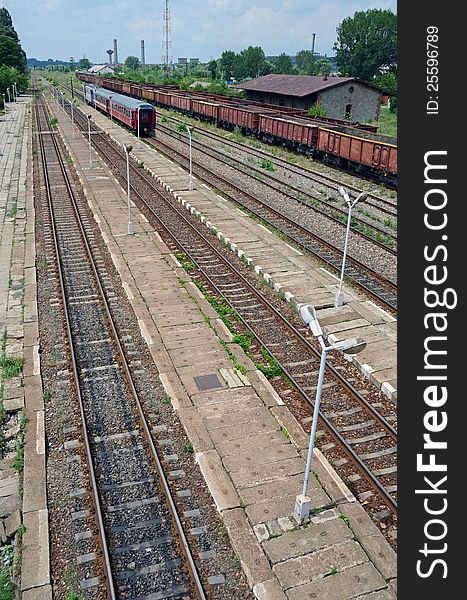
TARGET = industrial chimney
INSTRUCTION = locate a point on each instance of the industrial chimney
(143, 60)
(115, 53)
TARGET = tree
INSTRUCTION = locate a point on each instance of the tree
(227, 61)
(212, 68)
(305, 61)
(367, 43)
(84, 64)
(132, 63)
(322, 67)
(11, 53)
(388, 83)
(282, 64)
(253, 62)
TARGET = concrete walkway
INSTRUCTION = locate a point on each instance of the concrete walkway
(248, 445)
(19, 330)
(292, 274)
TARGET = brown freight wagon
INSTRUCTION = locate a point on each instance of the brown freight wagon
(181, 103)
(246, 117)
(359, 152)
(162, 98)
(290, 132)
(206, 111)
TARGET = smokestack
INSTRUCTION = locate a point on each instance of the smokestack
(313, 44)
(143, 60)
(115, 53)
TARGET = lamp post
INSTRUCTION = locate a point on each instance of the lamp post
(15, 92)
(110, 106)
(8, 92)
(89, 140)
(128, 149)
(72, 117)
(190, 185)
(139, 143)
(302, 506)
(339, 299)
(84, 94)
(63, 101)
(4, 103)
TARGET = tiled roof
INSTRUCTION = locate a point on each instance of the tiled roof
(292, 85)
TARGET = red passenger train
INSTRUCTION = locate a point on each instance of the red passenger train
(123, 108)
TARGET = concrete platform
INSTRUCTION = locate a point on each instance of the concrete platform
(234, 429)
(300, 277)
(19, 325)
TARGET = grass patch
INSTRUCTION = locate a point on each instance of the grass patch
(267, 164)
(11, 366)
(187, 447)
(19, 461)
(272, 368)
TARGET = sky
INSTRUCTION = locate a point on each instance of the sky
(203, 29)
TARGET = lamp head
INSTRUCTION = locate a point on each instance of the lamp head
(350, 345)
(307, 314)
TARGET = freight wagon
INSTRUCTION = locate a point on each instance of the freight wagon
(364, 154)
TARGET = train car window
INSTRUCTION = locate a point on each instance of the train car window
(348, 110)
(351, 89)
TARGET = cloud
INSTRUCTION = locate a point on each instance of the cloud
(202, 28)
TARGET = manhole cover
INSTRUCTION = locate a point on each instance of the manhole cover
(207, 382)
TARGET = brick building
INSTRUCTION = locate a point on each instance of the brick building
(341, 97)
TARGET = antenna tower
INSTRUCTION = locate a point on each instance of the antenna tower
(167, 43)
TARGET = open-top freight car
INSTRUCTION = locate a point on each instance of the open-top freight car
(332, 140)
(365, 153)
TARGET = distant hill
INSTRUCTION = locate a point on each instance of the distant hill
(33, 63)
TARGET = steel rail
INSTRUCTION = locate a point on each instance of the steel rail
(110, 584)
(366, 472)
(358, 265)
(303, 171)
(153, 451)
(279, 181)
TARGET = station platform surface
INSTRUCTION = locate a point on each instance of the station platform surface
(291, 272)
(248, 445)
(22, 394)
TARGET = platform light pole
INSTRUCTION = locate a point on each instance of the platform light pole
(139, 143)
(63, 100)
(339, 299)
(72, 117)
(190, 184)
(89, 140)
(8, 92)
(15, 92)
(128, 148)
(4, 102)
(111, 122)
(307, 312)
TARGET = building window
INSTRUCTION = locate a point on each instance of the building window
(351, 89)
(348, 110)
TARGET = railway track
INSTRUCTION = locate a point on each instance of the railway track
(367, 279)
(354, 417)
(129, 487)
(312, 177)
